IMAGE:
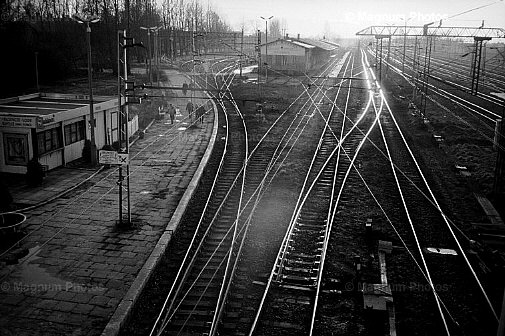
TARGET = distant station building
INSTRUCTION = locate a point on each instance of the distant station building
(52, 128)
(295, 56)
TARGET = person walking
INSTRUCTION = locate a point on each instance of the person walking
(189, 109)
(184, 89)
(200, 111)
(210, 107)
(171, 112)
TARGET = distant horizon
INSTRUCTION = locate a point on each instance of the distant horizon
(332, 18)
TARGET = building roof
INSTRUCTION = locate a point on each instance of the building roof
(319, 44)
(44, 104)
(295, 42)
(302, 44)
(39, 110)
(332, 43)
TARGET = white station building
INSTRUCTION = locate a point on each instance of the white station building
(53, 128)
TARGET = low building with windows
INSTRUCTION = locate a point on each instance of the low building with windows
(52, 128)
(297, 56)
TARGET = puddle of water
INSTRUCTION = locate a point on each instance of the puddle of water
(442, 251)
(28, 276)
(144, 192)
(181, 129)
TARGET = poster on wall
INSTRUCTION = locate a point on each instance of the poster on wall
(16, 149)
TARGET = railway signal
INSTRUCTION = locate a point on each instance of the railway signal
(124, 87)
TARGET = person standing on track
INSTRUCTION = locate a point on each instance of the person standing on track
(171, 112)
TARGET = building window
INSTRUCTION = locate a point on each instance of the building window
(49, 140)
(16, 149)
(74, 132)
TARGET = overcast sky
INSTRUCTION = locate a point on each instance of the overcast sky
(346, 17)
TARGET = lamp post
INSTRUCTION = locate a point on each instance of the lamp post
(404, 42)
(88, 20)
(266, 45)
(149, 29)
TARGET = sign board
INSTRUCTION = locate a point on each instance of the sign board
(123, 159)
(108, 157)
(18, 121)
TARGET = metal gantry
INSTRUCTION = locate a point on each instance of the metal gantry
(479, 34)
(426, 30)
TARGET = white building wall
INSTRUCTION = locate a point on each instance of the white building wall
(52, 159)
(73, 151)
(105, 132)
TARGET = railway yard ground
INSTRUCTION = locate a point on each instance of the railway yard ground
(330, 197)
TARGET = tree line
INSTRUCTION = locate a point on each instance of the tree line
(43, 31)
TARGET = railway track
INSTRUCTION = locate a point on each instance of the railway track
(442, 279)
(213, 292)
(290, 300)
(206, 278)
(194, 295)
(477, 118)
(446, 76)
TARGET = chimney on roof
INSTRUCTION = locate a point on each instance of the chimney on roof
(298, 36)
(287, 36)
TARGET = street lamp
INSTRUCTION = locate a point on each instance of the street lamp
(405, 41)
(266, 46)
(88, 20)
(149, 29)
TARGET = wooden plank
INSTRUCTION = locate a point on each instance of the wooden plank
(392, 319)
(382, 262)
(489, 210)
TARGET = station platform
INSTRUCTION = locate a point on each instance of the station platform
(75, 271)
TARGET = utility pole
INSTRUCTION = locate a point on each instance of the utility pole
(123, 43)
(241, 49)
(259, 63)
(156, 54)
(88, 21)
(499, 171)
(266, 45)
(414, 71)
(404, 41)
(476, 63)
(379, 57)
(387, 58)
(149, 70)
(122, 122)
(37, 70)
(426, 74)
(148, 60)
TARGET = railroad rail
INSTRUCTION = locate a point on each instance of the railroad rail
(290, 298)
(188, 310)
(194, 295)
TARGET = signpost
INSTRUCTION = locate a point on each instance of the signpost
(112, 157)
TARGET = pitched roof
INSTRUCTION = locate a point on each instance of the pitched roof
(302, 44)
(295, 42)
(319, 44)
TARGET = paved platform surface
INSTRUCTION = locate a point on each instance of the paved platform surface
(74, 265)
(55, 182)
